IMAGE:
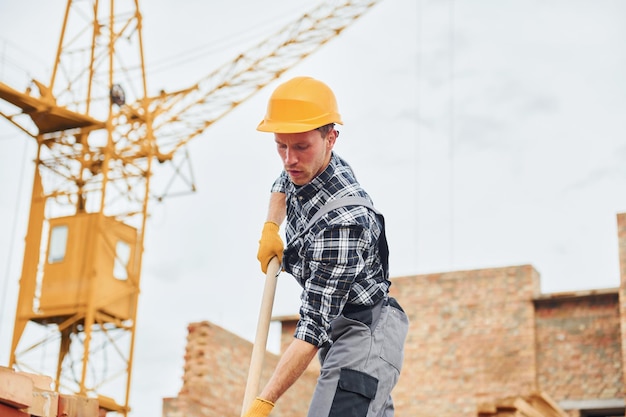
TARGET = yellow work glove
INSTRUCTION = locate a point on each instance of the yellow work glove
(270, 245)
(259, 408)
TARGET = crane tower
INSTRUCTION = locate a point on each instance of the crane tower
(100, 137)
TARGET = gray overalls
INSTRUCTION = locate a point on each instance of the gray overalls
(363, 364)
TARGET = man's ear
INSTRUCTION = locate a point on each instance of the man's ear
(332, 138)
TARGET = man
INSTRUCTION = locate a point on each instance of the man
(337, 251)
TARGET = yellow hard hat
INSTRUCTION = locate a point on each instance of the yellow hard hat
(300, 105)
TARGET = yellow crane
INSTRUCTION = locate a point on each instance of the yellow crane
(100, 137)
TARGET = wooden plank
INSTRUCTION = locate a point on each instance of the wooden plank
(15, 390)
(486, 408)
(39, 381)
(45, 403)
(77, 406)
(8, 411)
(527, 409)
(546, 405)
(506, 404)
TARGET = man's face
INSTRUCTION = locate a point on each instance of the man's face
(305, 155)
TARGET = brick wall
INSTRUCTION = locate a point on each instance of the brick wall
(471, 339)
(621, 235)
(475, 337)
(579, 346)
(215, 375)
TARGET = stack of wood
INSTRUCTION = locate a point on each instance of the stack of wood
(533, 405)
(24, 394)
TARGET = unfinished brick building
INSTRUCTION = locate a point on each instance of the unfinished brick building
(481, 343)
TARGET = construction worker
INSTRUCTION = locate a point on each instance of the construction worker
(338, 256)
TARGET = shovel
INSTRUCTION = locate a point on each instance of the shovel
(262, 330)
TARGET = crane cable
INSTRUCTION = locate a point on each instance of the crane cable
(418, 132)
(12, 238)
(452, 131)
(225, 43)
(451, 128)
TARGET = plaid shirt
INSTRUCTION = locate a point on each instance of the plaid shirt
(337, 260)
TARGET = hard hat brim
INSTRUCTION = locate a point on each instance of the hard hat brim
(284, 127)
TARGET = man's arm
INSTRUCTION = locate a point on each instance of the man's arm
(277, 209)
(291, 366)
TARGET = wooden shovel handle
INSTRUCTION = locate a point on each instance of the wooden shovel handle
(262, 330)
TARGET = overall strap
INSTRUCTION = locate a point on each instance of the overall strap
(355, 201)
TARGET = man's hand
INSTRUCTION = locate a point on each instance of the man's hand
(259, 408)
(270, 245)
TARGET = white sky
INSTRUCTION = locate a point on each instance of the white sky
(489, 133)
